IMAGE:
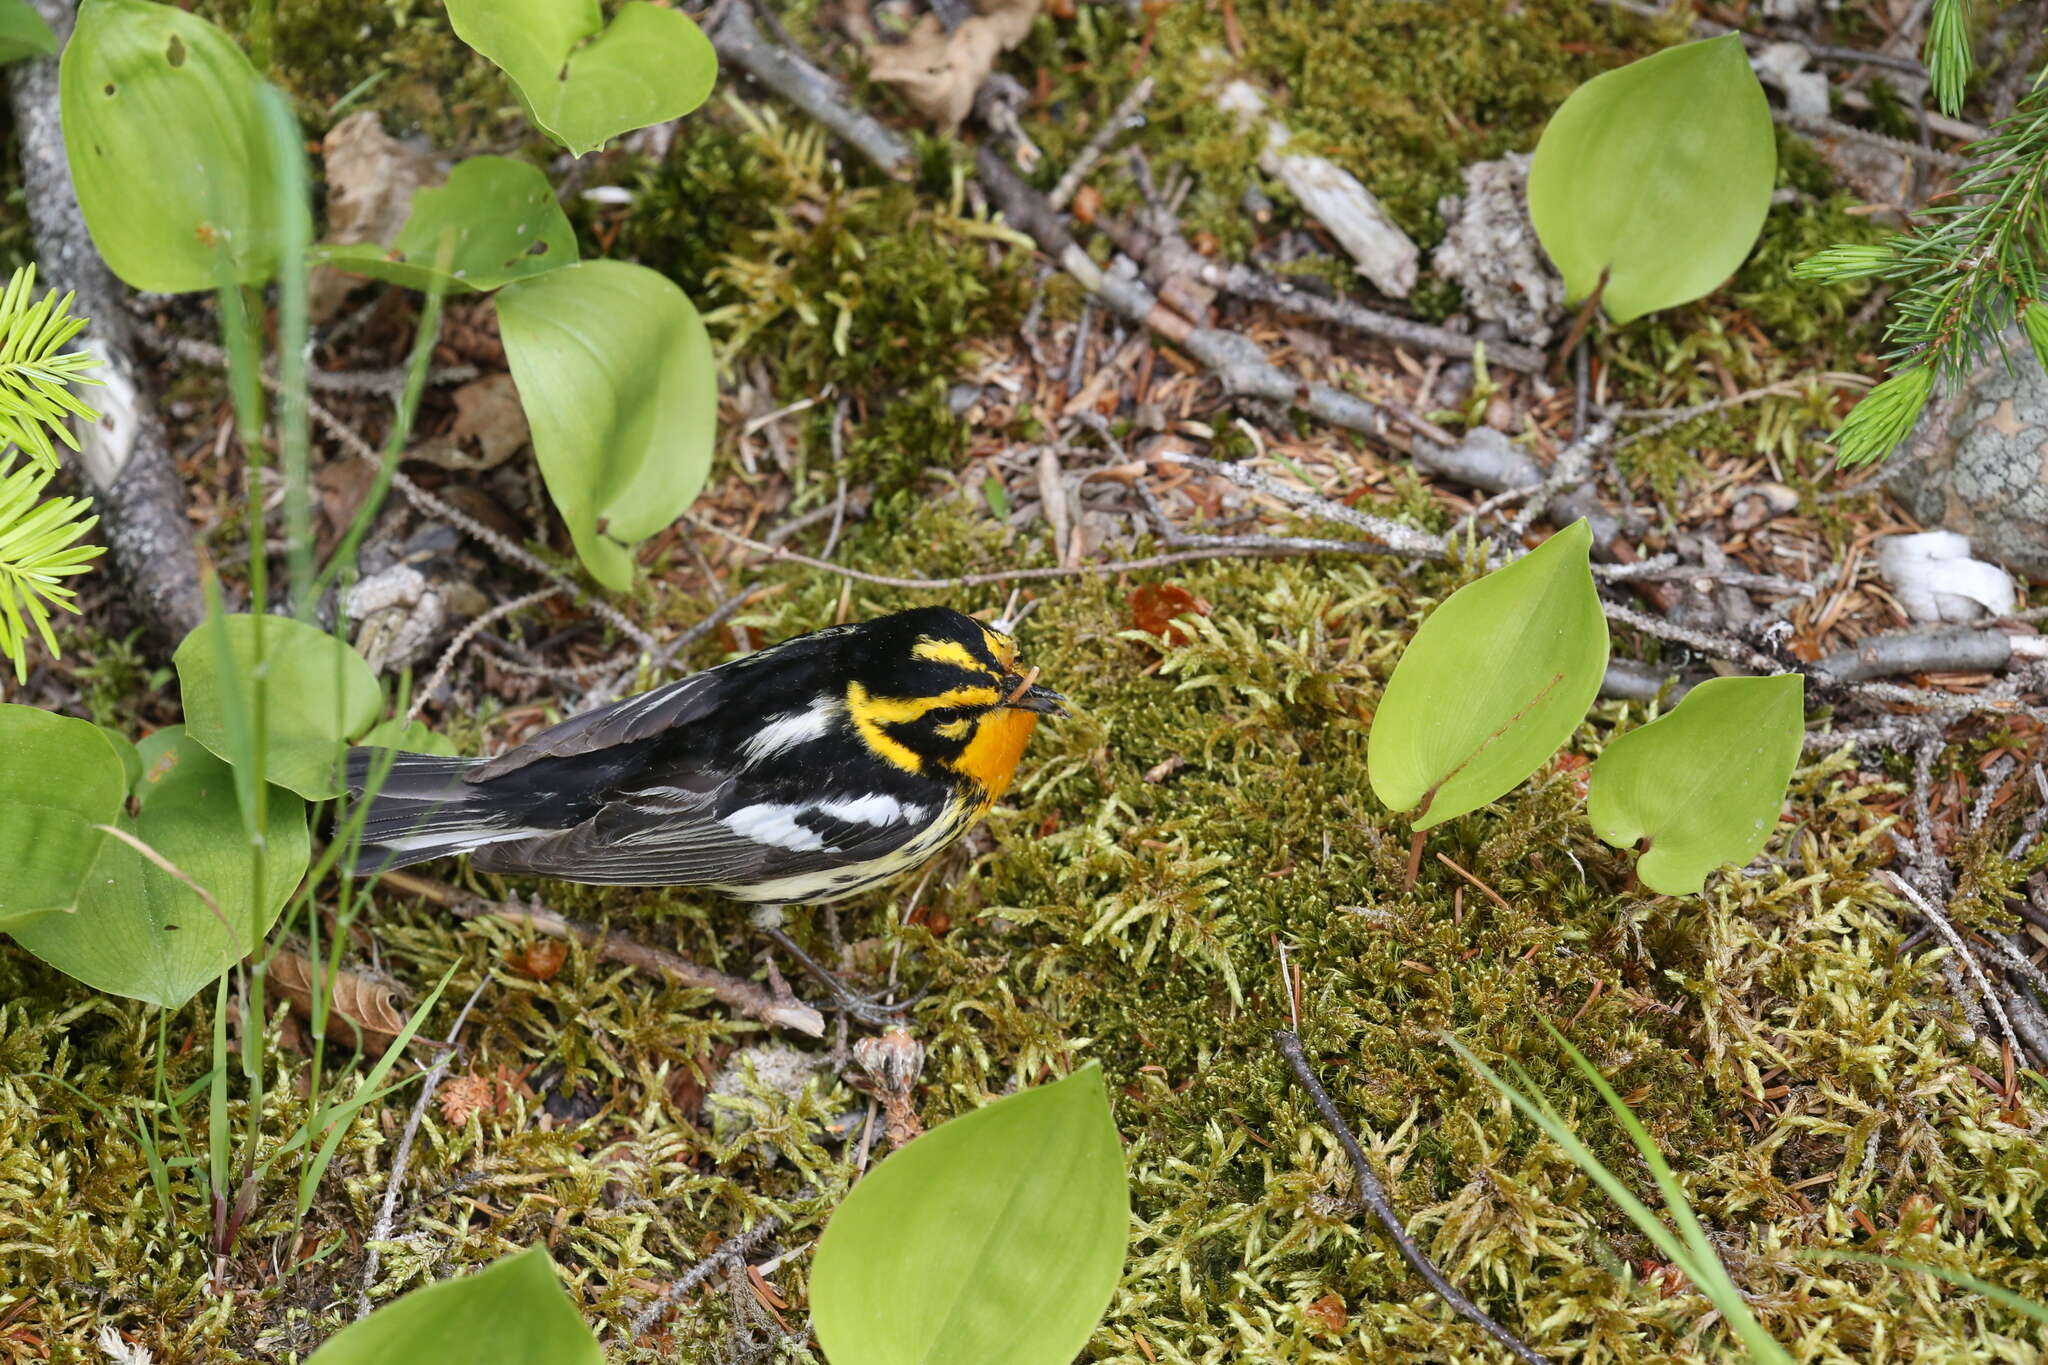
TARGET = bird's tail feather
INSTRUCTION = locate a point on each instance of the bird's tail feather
(423, 809)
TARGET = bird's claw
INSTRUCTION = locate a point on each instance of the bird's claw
(862, 1009)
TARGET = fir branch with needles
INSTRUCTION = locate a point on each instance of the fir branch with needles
(39, 537)
(1968, 269)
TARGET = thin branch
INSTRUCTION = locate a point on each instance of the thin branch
(468, 633)
(1249, 282)
(730, 1255)
(380, 1231)
(775, 553)
(789, 74)
(1374, 1195)
(1948, 931)
(744, 996)
(1125, 117)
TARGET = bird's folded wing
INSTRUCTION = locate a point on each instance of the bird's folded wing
(636, 843)
(623, 722)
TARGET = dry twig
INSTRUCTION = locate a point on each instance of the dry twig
(1374, 1196)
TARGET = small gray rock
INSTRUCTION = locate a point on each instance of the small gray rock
(1490, 251)
(1977, 463)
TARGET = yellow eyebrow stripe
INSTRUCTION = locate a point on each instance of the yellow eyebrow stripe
(900, 710)
(947, 652)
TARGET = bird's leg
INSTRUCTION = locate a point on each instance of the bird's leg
(769, 920)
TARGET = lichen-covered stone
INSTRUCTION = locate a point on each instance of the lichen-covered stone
(1490, 251)
(1977, 463)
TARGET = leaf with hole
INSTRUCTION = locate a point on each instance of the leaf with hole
(1495, 680)
(141, 930)
(1704, 784)
(23, 33)
(1657, 174)
(584, 80)
(497, 220)
(59, 779)
(615, 372)
(319, 696)
(176, 172)
(512, 1312)
(996, 1238)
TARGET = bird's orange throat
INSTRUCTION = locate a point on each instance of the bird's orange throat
(990, 758)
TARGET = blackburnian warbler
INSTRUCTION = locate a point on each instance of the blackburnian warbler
(805, 773)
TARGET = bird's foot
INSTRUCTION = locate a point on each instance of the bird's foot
(862, 1009)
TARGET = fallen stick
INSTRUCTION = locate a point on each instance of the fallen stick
(744, 996)
(1248, 282)
(125, 457)
(1957, 650)
(739, 40)
(1237, 362)
(1374, 1196)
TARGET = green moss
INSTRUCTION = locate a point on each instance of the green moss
(1402, 95)
(395, 56)
(1801, 1066)
(854, 284)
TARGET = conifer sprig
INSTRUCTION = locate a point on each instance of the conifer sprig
(39, 538)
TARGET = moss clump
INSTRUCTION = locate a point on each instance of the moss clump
(1403, 95)
(1806, 1070)
(401, 60)
(860, 285)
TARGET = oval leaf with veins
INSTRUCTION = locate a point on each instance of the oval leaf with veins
(1495, 680)
(615, 372)
(997, 1238)
(1703, 784)
(1657, 174)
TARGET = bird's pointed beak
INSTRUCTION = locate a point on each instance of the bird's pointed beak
(1043, 700)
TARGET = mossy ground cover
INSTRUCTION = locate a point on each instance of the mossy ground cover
(1807, 1067)
(1806, 1073)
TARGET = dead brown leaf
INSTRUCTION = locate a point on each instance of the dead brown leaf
(937, 72)
(1328, 1313)
(539, 960)
(488, 420)
(363, 1010)
(371, 178)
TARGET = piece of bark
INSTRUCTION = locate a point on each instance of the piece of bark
(1490, 252)
(1932, 651)
(1331, 195)
(124, 457)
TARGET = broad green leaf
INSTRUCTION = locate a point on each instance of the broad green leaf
(319, 696)
(1495, 680)
(1704, 784)
(409, 735)
(615, 372)
(140, 930)
(584, 82)
(176, 174)
(997, 1238)
(59, 778)
(131, 760)
(497, 219)
(1658, 173)
(512, 1312)
(23, 32)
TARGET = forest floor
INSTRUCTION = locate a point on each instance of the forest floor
(1191, 860)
